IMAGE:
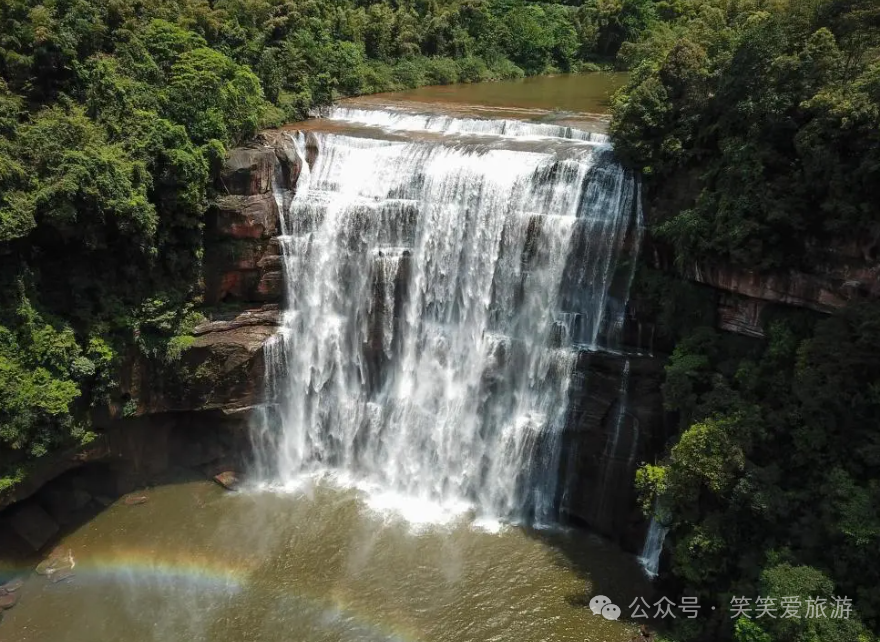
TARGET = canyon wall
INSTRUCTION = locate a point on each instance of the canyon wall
(197, 414)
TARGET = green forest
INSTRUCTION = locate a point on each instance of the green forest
(755, 125)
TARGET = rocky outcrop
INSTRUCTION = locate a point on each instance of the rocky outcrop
(242, 255)
(246, 217)
(821, 292)
(191, 414)
(248, 170)
(222, 369)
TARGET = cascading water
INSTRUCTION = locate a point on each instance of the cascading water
(653, 547)
(437, 295)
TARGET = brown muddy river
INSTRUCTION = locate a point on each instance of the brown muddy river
(197, 563)
(584, 94)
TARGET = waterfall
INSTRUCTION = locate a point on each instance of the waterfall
(653, 547)
(437, 295)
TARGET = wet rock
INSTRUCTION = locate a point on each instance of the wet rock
(228, 479)
(58, 561)
(33, 524)
(12, 585)
(61, 575)
(8, 600)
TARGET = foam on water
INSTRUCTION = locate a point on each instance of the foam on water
(399, 120)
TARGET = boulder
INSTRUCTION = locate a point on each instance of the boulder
(33, 524)
(58, 561)
(12, 585)
(61, 575)
(135, 500)
(248, 171)
(8, 600)
(228, 479)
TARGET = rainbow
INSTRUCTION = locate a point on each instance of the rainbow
(177, 567)
(180, 567)
(226, 575)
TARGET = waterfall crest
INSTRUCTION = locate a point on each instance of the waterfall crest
(437, 296)
(402, 120)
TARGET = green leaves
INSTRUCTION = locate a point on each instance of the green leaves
(775, 467)
(770, 111)
(83, 187)
(40, 367)
(709, 454)
(213, 97)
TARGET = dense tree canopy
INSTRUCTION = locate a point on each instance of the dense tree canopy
(756, 126)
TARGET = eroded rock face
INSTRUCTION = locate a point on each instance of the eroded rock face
(248, 170)
(221, 370)
(246, 217)
(242, 255)
(741, 315)
(823, 293)
(616, 425)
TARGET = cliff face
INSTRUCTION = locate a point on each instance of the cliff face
(193, 413)
(746, 294)
(196, 414)
(242, 257)
(616, 424)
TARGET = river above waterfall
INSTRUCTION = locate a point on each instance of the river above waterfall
(534, 97)
(196, 563)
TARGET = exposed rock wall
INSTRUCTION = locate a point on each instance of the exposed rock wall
(242, 257)
(221, 370)
(617, 423)
(745, 295)
(195, 413)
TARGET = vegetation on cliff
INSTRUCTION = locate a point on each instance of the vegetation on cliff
(115, 115)
(774, 473)
(756, 125)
